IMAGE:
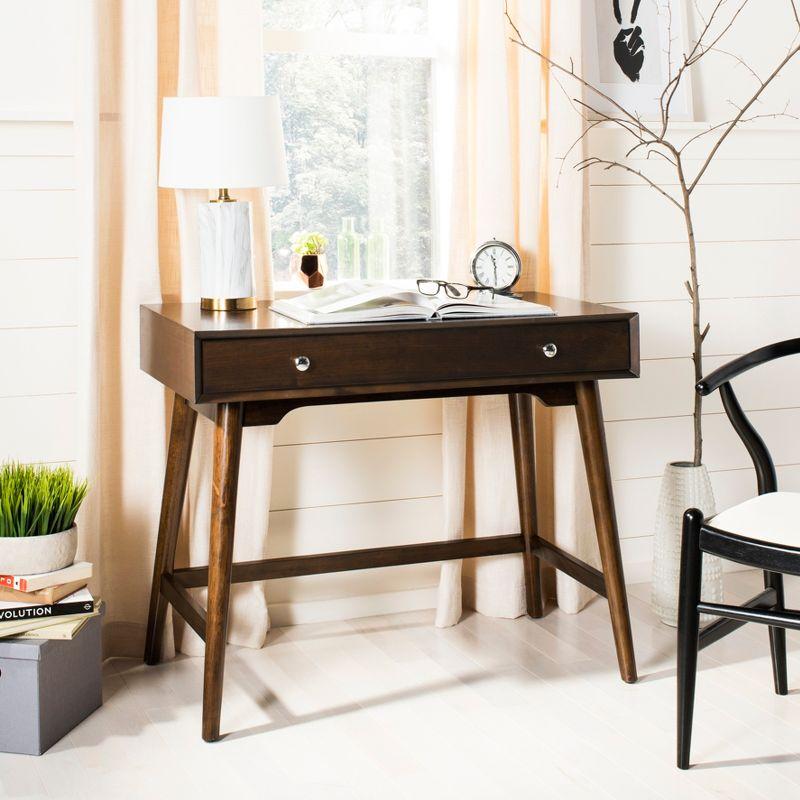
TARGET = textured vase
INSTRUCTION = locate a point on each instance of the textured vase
(32, 555)
(682, 486)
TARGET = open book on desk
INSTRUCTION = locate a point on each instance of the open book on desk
(371, 301)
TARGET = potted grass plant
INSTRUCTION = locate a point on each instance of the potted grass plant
(38, 506)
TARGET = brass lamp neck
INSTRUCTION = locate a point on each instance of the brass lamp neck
(224, 197)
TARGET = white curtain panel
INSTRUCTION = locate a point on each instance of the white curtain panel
(496, 178)
(126, 260)
(239, 62)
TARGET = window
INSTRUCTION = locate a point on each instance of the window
(354, 78)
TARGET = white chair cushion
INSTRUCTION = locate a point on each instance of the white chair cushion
(773, 517)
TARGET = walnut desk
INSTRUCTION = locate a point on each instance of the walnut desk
(253, 368)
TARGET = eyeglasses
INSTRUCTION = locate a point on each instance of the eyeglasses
(457, 291)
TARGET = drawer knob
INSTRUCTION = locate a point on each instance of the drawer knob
(550, 350)
(302, 363)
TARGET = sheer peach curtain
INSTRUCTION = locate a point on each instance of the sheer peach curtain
(139, 246)
(510, 130)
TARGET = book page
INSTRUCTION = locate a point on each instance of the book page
(343, 296)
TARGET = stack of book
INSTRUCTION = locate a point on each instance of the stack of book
(52, 605)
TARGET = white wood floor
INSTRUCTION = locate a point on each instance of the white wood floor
(390, 707)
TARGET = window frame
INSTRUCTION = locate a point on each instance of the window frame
(425, 46)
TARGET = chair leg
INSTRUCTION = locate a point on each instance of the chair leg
(688, 629)
(777, 636)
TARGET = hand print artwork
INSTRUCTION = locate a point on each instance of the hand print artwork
(629, 44)
(630, 47)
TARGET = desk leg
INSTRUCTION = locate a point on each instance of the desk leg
(181, 437)
(593, 439)
(520, 406)
(227, 446)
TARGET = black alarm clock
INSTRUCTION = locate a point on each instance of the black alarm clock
(496, 265)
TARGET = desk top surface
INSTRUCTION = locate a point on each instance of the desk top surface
(263, 322)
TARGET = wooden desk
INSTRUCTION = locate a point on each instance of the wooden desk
(247, 369)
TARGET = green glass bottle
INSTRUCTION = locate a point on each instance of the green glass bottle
(378, 253)
(348, 251)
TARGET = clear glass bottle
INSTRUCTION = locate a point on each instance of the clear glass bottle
(378, 252)
(348, 251)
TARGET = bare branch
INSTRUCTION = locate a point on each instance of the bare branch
(593, 161)
(700, 13)
(735, 121)
(692, 57)
(795, 12)
(689, 290)
(654, 152)
(703, 49)
(705, 332)
(742, 121)
(741, 61)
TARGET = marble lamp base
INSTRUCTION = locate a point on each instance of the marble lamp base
(226, 263)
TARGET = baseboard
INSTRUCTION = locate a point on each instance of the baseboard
(642, 571)
(341, 608)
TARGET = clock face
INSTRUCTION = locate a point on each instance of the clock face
(496, 265)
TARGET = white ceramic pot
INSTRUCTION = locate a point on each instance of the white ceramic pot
(682, 486)
(30, 555)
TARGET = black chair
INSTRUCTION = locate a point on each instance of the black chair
(762, 532)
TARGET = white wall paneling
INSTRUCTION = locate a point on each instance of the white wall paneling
(774, 385)
(633, 271)
(39, 270)
(360, 421)
(37, 172)
(42, 224)
(38, 361)
(24, 304)
(26, 137)
(43, 428)
(343, 527)
(751, 212)
(361, 471)
(747, 216)
(37, 54)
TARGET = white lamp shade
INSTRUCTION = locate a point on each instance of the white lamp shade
(221, 142)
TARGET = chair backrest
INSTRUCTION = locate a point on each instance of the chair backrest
(721, 379)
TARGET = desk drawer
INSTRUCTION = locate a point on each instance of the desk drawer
(438, 353)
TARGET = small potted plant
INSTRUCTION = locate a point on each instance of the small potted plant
(38, 505)
(309, 259)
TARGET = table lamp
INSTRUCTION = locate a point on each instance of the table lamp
(223, 143)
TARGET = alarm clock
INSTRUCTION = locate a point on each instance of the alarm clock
(496, 265)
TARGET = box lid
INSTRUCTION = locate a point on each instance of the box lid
(23, 649)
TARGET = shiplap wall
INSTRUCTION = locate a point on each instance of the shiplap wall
(350, 477)
(747, 215)
(38, 242)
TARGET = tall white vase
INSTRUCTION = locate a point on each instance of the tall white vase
(682, 486)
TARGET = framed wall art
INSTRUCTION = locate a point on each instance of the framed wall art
(630, 50)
